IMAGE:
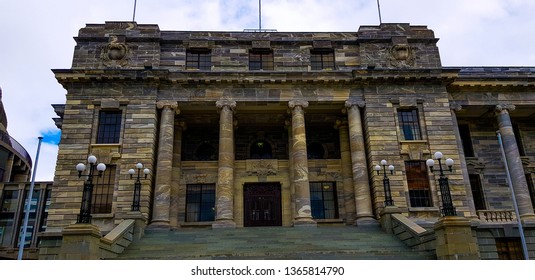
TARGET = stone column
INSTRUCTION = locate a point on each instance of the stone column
(288, 125)
(512, 156)
(347, 175)
(359, 164)
(225, 172)
(164, 165)
(177, 159)
(300, 165)
(462, 159)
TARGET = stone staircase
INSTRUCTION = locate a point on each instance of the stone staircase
(272, 243)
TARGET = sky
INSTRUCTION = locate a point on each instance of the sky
(37, 36)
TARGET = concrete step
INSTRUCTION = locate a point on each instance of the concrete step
(275, 243)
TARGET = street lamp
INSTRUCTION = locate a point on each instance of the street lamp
(137, 184)
(85, 209)
(386, 181)
(447, 204)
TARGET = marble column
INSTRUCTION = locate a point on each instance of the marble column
(512, 156)
(177, 159)
(225, 172)
(462, 159)
(347, 175)
(299, 168)
(164, 164)
(363, 200)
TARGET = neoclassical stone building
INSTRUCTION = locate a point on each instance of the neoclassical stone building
(243, 129)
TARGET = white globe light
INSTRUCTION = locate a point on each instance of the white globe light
(438, 155)
(101, 167)
(139, 165)
(377, 168)
(430, 163)
(131, 171)
(92, 159)
(449, 162)
(80, 167)
(391, 167)
(383, 162)
(146, 171)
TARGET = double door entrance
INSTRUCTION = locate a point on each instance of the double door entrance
(262, 204)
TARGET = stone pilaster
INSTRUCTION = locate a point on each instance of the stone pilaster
(164, 165)
(462, 159)
(512, 155)
(347, 175)
(225, 172)
(359, 164)
(177, 158)
(300, 165)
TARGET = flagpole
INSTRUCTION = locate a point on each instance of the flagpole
(22, 238)
(520, 228)
(379, 10)
(259, 15)
(134, 15)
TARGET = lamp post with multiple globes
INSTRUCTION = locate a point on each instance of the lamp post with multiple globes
(386, 181)
(137, 184)
(85, 209)
(447, 205)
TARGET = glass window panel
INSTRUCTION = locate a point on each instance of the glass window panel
(409, 124)
(418, 183)
(200, 202)
(109, 127)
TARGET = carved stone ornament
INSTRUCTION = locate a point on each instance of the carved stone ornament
(401, 55)
(115, 54)
(261, 167)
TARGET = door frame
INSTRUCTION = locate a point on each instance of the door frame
(271, 190)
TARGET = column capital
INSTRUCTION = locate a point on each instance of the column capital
(169, 104)
(351, 103)
(182, 124)
(298, 103)
(501, 107)
(221, 103)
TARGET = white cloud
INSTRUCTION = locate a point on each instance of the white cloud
(37, 36)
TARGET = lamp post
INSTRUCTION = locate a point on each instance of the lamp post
(85, 210)
(386, 181)
(447, 204)
(137, 184)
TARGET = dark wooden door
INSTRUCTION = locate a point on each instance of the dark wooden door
(262, 204)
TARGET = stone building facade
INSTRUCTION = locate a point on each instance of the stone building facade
(283, 129)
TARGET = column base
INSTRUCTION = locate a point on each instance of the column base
(224, 224)
(366, 221)
(163, 225)
(528, 218)
(305, 222)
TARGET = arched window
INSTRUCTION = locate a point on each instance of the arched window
(261, 149)
(315, 151)
(205, 152)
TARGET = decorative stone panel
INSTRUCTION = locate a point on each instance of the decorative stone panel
(261, 167)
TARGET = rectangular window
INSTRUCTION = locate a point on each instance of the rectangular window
(31, 217)
(418, 183)
(200, 202)
(466, 139)
(477, 191)
(44, 215)
(198, 59)
(109, 127)
(509, 248)
(323, 200)
(409, 124)
(322, 59)
(8, 208)
(103, 191)
(261, 59)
